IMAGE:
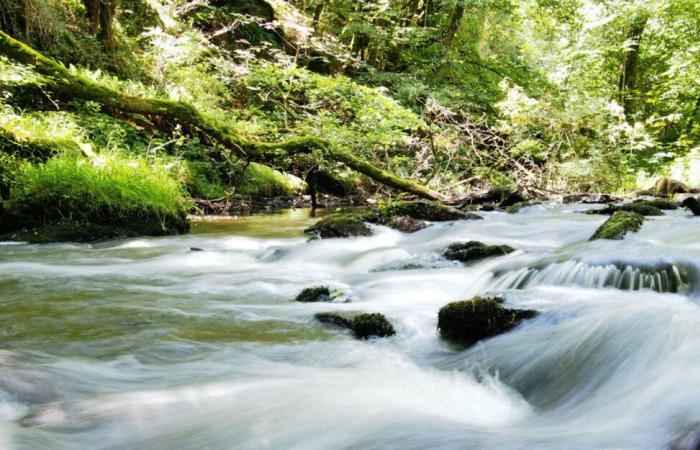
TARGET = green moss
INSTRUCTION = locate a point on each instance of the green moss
(642, 208)
(339, 226)
(618, 225)
(473, 250)
(467, 322)
(514, 209)
(262, 181)
(68, 198)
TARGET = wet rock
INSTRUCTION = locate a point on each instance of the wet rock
(660, 203)
(511, 198)
(618, 225)
(418, 210)
(363, 325)
(196, 249)
(339, 226)
(473, 250)
(641, 207)
(693, 204)
(467, 322)
(407, 224)
(314, 294)
(514, 209)
(590, 198)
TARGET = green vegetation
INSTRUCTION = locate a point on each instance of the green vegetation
(435, 99)
(618, 225)
(473, 251)
(113, 196)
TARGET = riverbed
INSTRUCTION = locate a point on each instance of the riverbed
(148, 344)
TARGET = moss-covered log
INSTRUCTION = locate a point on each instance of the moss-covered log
(66, 83)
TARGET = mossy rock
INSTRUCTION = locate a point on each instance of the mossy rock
(473, 250)
(660, 203)
(339, 226)
(643, 208)
(693, 204)
(618, 225)
(466, 322)
(512, 198)
(418, 210)
(514, 209)
(362, 325)
(314, 294)
(332, 183)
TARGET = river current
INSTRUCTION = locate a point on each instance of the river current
(147, 344)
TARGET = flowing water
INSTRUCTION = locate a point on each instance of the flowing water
(146, 344)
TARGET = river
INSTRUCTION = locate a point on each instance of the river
(147, 344)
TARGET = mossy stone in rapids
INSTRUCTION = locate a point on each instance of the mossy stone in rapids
(641, 207)
(314, 294)
(473, 250)
(339, 226)
(387, 213)
(618, 225)
(468, 321)
(660, 203)
(362, 325)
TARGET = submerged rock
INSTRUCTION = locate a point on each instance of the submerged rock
(314, 294)
(467, 322)
(618, 225)
(693, 204)
(363, 325)
(418, 210)
(339, 226)
(473, 250)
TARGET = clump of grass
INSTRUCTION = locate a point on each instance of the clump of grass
(126, 195)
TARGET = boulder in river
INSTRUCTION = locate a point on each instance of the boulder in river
(339, 226)
(362, 325)
(408, 224)
(693, 204)
(514, 209)
(314, 294)
(641, 207)
(466, 322)
(590, 198)
(618, 225)
(473, 250)
(425, 210)
(660, 203)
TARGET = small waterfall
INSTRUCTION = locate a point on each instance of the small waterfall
(665, 278)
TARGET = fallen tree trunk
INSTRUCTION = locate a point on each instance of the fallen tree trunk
(69, 84)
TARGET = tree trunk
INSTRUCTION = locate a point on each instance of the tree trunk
(92, 9)
(630, 63)
(455, 21)
(69, 85)
(107, 10)
(317, 15)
